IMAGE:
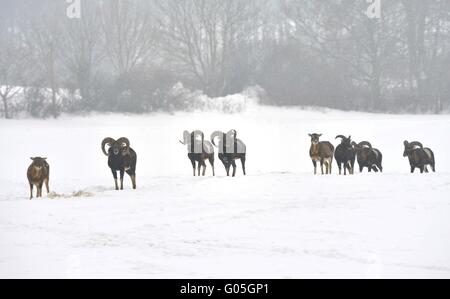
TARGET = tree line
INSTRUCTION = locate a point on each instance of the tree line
(127, 55)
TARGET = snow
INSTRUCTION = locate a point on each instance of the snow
(280, 221)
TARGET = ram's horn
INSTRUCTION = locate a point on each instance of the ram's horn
(233, 134)
(217, 134)
(186, 138)
(416, 144)
(123, 141)
(107, 141)
(199, 133)
(341, 136)
(365, 144)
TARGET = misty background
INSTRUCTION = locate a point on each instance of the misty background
(140, 56)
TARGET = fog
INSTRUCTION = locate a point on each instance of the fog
(134, 56)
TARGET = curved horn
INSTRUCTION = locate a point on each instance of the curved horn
(217, 134)
(365, 144)
(193, 139)
(198, 132)
(416, 144)
(186, 137)
(406, 143)
(341, 136)
(233, 134)
(107, 141)
(125, 141)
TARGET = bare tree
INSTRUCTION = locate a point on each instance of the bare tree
(126, 55)
(43, 38)
(11, 66)
(340, 31)
(427, 24)
(203, 35)
(83, 48)
(129, 33)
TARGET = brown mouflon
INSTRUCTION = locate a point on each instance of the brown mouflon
(368, 157)
(38, 174)
(321, 151)
(122, 158)
(345, 155)
(419, 157)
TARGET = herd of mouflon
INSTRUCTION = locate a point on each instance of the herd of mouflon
(123, 159)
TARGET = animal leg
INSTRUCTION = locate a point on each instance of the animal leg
(122, 174)
(350, 168)
(115, 179)
(204, 168)
(243, 160)
(380, 167)
(199, 168)
(330, 166)
(340, 168)
(321, 166)
(47, 185)
(31, 191)
(234, 168)
(133, 182)
(133, 178)
(315, 167)
(327, 167)
(41, 185)
(211, 161)
(413, 169)
(227, 168)
(193, 165)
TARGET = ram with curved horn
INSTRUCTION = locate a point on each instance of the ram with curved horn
(323, 152)
(121, 158)
(368, 157)
(345, 155)
(230, 149)
(199, 151)
(419, 157)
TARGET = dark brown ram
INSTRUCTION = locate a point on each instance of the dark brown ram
(345, 155)
(419, 157)
(368, 157)
(122, 158)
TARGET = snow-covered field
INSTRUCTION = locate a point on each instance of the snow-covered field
(278, 222)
